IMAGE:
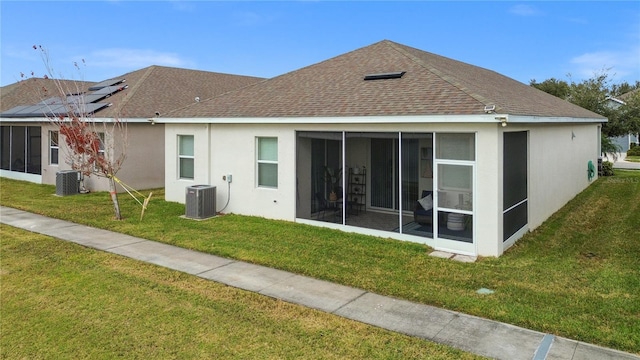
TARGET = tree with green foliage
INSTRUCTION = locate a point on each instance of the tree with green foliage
(595, 94)
(629, 112)
(553, 86)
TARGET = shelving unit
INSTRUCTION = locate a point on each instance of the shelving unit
(357, 191)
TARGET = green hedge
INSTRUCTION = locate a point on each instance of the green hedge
(607, 168)
(634, 151)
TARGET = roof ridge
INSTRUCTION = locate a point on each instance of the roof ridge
(131, 92)
(448, 78)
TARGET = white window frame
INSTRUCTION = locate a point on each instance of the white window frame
(101, 149)
(183, 156)
(260, 161)
(53, 147)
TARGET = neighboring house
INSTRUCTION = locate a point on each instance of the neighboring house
(498, 157)
(625, 141)
(30, 147)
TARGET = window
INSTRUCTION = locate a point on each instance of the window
(268, 162)
(456, 146)
(54, 149)
(185, 156)
(5, 147)
(20, 149)
(101, 153)
(101, 149)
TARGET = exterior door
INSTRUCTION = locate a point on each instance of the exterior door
(454, 195)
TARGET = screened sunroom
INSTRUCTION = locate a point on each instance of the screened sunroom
(417, 185)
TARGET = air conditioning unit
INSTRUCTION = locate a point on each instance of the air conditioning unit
(200, 202)
(67, 182)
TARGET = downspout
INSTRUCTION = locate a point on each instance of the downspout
(400, 182)
(209, 154)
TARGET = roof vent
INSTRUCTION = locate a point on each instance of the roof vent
(381, 76)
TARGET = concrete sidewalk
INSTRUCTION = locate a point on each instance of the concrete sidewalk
(627, 165)
(476, 335)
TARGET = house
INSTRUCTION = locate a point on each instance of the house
(488, 157)
(624, 142)
(30, 147)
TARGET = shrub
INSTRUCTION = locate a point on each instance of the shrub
(607, 168)
(634, 151)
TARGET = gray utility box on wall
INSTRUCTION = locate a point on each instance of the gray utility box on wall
(67, 183)
(200, 202)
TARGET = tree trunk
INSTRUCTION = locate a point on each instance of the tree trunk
(114, 198)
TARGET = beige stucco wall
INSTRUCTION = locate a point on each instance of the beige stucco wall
(558, 157)
(557, 169)
(488, 192)
(174, 186)
(143, 167)
(223, 149)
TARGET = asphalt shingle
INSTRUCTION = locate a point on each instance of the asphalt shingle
(149, 90)
(432, 85)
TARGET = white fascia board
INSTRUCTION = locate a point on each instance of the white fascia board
(88, 119)
(490, 118)
(125, 120)
(527, 119)
(616, 100)
(24, 120)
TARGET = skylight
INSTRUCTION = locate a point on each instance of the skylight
(381, 76)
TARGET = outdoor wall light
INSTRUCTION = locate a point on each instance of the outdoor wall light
(503, 120)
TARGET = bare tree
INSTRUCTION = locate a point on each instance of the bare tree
(94, 148)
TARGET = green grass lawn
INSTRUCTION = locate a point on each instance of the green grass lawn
(577, 275)
(633, 158)
(63, 301)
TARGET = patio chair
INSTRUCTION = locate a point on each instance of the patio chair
(324, 205)
(420, 214)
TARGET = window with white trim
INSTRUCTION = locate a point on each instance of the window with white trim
(267, 162)
(54, 149)
(101, 151)
(185, 156)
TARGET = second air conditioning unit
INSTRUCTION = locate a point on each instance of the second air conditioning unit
(200, 202)
(67, 183)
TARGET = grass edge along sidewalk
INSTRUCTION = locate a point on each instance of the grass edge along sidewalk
(62, 300)
(576, 276)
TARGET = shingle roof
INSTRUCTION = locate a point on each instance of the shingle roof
(149, 90)
(432, 85)
(628, 95)
(33, 90)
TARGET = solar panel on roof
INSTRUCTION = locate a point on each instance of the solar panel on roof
(33, 109)
(26, 111)
(86, 103)
(14, 110)
(55, 110)
(51, 101)
(389, 75)
(109, 90)
(106, 83)
(91, 108)
(91, 98)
